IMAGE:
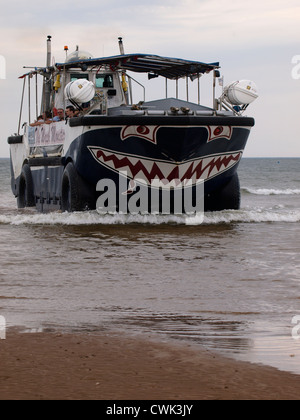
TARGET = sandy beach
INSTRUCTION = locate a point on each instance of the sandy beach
(42, 366)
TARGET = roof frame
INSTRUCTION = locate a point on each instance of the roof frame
(171, 68)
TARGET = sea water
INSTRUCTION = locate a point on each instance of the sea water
(230, 282)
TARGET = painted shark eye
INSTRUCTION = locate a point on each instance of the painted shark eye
(142, 129)
(218, 131)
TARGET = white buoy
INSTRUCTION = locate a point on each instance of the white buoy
(241, 92)
(80, 91)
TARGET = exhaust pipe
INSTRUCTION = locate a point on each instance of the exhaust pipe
(47, 84)
(121, 46)
(48, 63)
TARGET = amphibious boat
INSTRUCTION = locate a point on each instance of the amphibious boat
(113, 152)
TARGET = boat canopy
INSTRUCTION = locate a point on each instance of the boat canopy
(171, 68)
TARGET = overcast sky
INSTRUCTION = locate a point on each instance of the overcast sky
(256, 40)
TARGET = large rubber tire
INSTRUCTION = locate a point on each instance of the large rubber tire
(226, 198)
(70, 194)
(25, 196)
(76, 193)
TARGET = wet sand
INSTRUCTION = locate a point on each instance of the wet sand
(108, 367)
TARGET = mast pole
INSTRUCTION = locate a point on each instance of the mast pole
(36, 96)
(21, 107)
(124, 83)
(29, 110)
(47, 78)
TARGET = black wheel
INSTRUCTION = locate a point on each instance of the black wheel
(70, 198)
(76, 194)
(26, 190)
(226, 198)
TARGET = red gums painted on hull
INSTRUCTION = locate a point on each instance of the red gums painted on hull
(208, 166)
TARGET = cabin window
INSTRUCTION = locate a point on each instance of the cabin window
(104, 81)
(76, 76)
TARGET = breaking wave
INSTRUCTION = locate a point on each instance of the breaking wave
(253, 216)
(259, 215)
(271, 191)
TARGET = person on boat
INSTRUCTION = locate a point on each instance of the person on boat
(70, 112)
(46, 117)
(60, 115)
(38, 121)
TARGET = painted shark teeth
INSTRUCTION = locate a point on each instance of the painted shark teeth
(147, 170)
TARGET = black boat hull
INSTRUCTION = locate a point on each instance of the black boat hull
(174, 151)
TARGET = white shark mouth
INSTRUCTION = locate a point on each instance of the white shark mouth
(165, 173)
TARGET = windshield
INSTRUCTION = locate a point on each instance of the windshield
(104, 81)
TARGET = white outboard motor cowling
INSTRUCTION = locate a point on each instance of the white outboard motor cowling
(242, 92)
(80, 91)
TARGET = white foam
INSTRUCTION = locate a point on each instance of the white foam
(86, 218)
(246, 215)
(271, 191)
(253, 216)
